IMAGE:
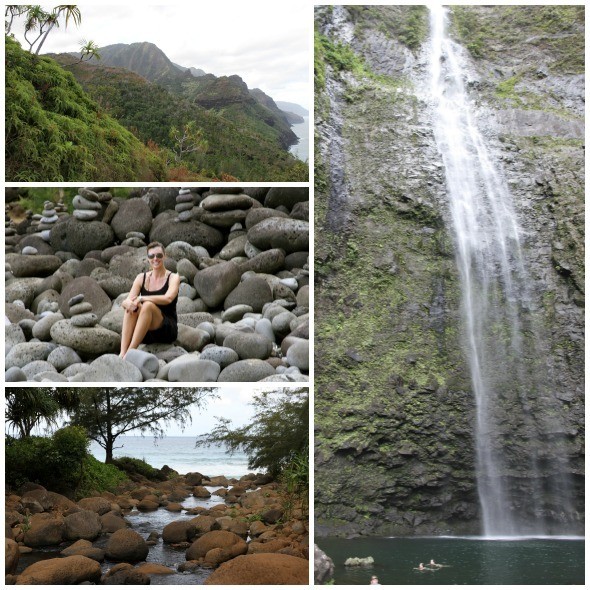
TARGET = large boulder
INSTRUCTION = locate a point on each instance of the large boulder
(166, 229)
(246, 370)
(133, 215)
(262, 569)
(45, 529)
(215, 283)
(91, 341)
(254, 292)
(39, 265)
(80, 237)
(93, 294)
(126, 545)
(11, 556)
(96, 504)
(291, 235)
(215, 547)
(286, 196)
(61, 571)
(178, 531)
(84, 524)
(323, 567)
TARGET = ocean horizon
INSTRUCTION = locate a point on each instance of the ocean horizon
(179, 453)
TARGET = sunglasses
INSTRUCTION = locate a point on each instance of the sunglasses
(159, 255)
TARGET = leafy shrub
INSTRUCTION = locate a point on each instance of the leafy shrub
(134, 467)
(54, 462)
(98, 477)
(55, 132)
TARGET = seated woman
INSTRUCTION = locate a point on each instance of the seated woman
(150, 308)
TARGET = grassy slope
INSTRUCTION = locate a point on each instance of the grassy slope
(55, 132)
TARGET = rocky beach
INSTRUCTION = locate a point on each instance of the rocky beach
(188, 529)
(243, 305)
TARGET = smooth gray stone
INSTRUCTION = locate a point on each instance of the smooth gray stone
(63, 357)
(147, 363)
(25, 352)
(189, 368)
(35, 367)
(249, 346)
(246, 371)
(80, 203)
(75, 299)
(281, 323)
(298, 355)
(236, 312)
(85, 214)
(85, 320)
(42, 329)
(96, 340)
(264, 327)
(113, 369)
(29, 251)
(80, 308)
(222, 355)
(13, 334)
(14, 374)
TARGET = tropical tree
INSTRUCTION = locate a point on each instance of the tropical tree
(277, 439)
(10, 13)
(186, 140)
(110, 412)
(27, 408)
(88, 51)
(70, 12)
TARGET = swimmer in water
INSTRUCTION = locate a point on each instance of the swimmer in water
(433, 564)
(375, 581)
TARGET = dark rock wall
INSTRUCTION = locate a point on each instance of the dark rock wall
(394, 409)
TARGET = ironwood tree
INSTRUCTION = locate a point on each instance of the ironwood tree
(110, 412)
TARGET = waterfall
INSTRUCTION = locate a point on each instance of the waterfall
(514, 478)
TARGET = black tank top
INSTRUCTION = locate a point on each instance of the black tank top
(168, 310)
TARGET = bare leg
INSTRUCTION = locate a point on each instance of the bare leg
(150, 318)
(129, 321)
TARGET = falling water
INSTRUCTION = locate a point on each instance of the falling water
(496, 300)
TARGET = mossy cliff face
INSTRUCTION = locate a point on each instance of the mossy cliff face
(394, 408)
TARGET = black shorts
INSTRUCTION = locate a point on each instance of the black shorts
(165, 334)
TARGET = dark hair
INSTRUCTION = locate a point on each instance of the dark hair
(153, 245)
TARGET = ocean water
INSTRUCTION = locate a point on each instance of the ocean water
(179, 453)
(467, 560)
(301, 130)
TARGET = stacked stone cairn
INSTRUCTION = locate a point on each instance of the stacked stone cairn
(184, 204)
(48, 219)
(243, 305)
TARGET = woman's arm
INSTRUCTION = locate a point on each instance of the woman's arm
(169, 296)
(130, 304)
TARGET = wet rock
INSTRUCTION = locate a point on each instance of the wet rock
(82, 525)
(126, 545)
(215, 547)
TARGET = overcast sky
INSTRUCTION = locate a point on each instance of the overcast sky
(266, 44)
(233, 402)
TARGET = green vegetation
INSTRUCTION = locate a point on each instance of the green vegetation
(236, 146)
(407, 24)
(54, 132)
(138, 467)
(34, 197)
(109, 412)
(277, 440)
(557, 31)
(60, 463)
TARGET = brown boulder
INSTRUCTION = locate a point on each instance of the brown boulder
(203, 523)
(273, 546)
(95, 504)
(201, 492)
(126, 545)
(85, 548)
(239, 527)
(194, 478)
(11, 556)
(178, 531)
(45, 529)
(85, 524)
(174, 507)
(146, 505)
(215, 547)
(261, 570)
(112, 522)
(61, 570)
